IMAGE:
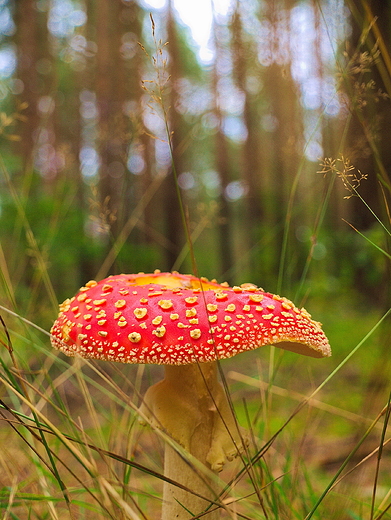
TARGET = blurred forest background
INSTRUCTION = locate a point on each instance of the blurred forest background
(274, 133)
(87, 186)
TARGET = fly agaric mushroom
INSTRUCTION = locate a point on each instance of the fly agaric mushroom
(186, 324)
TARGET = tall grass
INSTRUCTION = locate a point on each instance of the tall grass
(72, 446)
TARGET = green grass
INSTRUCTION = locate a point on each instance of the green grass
(73, 448)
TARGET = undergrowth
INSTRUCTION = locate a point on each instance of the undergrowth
(72, 445)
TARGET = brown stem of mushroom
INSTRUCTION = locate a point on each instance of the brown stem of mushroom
(191, 406)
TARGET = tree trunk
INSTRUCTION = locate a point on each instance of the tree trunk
(27, 39)
(244, 57)
(174, 224)
(110, 93)
(223, 167)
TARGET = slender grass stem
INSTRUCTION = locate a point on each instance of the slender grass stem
(380, 453)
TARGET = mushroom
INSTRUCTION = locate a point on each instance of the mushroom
(187, 324)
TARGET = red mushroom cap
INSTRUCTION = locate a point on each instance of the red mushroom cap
(169, 318)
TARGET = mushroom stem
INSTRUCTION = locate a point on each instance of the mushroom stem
(178, 503)
(191, 406)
